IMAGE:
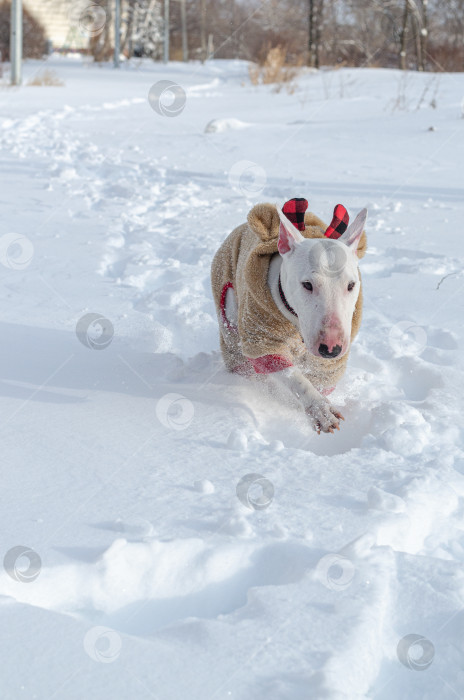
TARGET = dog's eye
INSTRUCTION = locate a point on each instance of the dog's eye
(351, 286)
(308, 286)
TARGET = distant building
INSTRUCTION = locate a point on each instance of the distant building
(58, 19)
(70, 24)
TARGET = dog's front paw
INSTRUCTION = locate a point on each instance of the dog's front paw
(324, 417)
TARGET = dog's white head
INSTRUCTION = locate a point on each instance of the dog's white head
(320, 277)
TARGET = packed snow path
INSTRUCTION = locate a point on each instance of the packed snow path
(149, 569)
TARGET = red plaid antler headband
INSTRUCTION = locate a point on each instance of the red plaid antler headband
(295, 209)
(339, 222)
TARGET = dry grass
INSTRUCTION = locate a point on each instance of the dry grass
(274, 70)
(46, 77)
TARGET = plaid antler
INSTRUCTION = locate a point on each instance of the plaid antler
(294, 210)
(339, 222)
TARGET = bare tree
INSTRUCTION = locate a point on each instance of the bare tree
(424, 31)
(403, 35)
(183, 18)
(311, 27)
(203, 30)
(315, 14)
(100, 44)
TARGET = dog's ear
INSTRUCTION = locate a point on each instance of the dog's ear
(353, 233)
(289, 236)
(264, 221)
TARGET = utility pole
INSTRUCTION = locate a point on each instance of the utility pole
(183, 17)
(117, 32)
(16, 41)
(166, 31)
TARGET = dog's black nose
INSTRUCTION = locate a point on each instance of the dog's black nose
(324, 351)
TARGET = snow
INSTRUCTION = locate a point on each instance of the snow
(184, 534)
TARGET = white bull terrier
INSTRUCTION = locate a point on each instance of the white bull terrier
(289, 300)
